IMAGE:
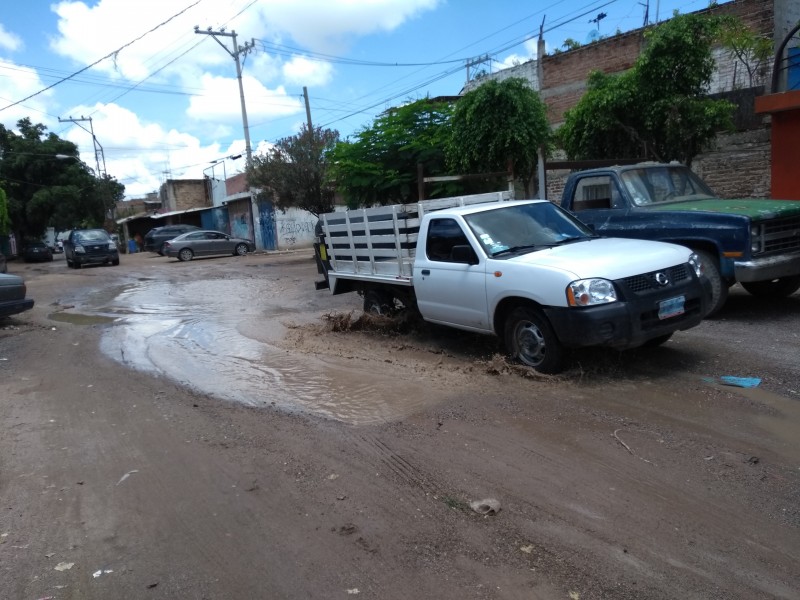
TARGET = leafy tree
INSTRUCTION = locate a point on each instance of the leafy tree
(5, 220)
(497, 126)
(294, 172)
(381, 165)
(658, 109)
(48, 185)
(570, 44)
(751, 49)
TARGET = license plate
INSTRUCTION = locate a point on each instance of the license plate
(671, 308)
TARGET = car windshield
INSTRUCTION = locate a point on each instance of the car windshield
(92, 235)
(519, 228)
(656, 185)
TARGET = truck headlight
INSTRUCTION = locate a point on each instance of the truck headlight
(696, 264)
(588, 292)
(80, 249)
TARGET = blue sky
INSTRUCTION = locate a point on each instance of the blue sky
(164, 100)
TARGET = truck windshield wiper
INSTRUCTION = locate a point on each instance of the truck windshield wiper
(515, 249)
(574, 238)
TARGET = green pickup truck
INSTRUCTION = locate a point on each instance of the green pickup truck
(754, 242)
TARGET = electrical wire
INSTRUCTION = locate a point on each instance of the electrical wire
(109, 55)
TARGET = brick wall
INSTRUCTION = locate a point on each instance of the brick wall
(740, 163)
(183, 194)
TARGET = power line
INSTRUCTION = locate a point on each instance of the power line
(109, 55)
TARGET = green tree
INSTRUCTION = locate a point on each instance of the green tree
(5, 220)
(751, 49)
(380, 166)
(657, 110)
(497, 126)
(294, 172)
(44, 190)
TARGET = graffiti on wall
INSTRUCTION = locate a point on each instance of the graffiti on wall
(292, 232)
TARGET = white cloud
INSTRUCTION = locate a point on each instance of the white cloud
(320, 25)
(220, 100)
(512, 60)
(9, 41)
(301, 71)
(19, 82)
(326, 25)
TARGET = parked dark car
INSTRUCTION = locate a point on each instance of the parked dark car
(155, 238)
(3, 267)
(206, 243)
(12, 295)
(90, 247)
(36, 252)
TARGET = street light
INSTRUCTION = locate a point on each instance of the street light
(69, 156)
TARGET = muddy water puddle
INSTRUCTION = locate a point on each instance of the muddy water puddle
(221, 337)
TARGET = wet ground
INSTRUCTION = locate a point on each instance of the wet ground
(201, 430)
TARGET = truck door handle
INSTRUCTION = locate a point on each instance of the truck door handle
(426, 271)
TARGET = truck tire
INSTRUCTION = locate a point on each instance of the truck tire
(719, 288)
(378, 302)
(530, 339)
(785, 286)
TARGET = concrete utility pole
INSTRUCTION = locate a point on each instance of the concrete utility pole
(235, 53)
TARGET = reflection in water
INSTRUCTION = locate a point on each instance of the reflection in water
(221, 348)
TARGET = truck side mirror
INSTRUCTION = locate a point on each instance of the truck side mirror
(464, 254)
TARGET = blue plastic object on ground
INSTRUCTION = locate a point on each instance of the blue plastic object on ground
(744, 382)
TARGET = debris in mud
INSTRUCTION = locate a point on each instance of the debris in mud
(64, 566)
(489, 506)
(499, 365)
(401, 322)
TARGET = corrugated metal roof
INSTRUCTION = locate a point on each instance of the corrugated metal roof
(162, 215)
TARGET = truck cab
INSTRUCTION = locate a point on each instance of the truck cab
(755, 242)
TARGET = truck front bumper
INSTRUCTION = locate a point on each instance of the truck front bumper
(767, 268)
(629, 323)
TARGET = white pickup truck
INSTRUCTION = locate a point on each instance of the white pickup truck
(526, 271)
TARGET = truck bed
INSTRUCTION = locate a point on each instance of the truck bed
(381, 242)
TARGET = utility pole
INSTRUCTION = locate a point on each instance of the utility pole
(308, 111)
(475, 62)
(235, 53)
(98, 149)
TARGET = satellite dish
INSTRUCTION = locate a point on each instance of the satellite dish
(593, 36)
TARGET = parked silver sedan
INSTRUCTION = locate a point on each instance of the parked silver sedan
(206, 243)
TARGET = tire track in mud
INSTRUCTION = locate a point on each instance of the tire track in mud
(401, 467)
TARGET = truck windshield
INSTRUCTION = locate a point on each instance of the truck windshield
(525, 227)
(654, 185)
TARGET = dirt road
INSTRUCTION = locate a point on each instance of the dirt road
(202, 430)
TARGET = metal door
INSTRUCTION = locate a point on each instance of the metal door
(266, 213)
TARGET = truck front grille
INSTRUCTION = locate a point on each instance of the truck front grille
(648, 281)
(780, 235)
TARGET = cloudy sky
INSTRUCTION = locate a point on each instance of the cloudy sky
(164, 100)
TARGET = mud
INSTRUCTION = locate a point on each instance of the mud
(220, 429)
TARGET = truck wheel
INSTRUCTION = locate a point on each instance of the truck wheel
(719, 289)
(378, 302)
(530, 340)
(785, 286)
